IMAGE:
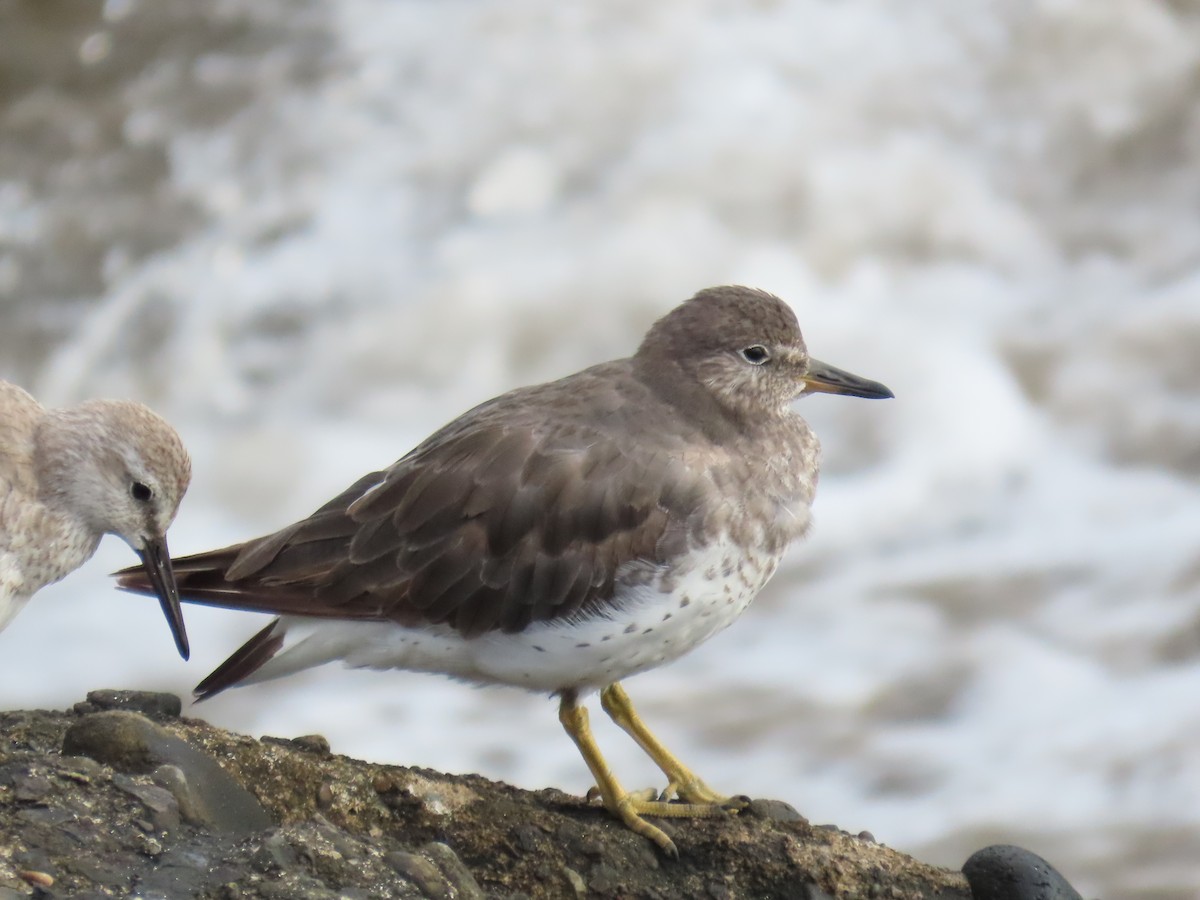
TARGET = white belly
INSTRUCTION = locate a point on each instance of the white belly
(652, 626)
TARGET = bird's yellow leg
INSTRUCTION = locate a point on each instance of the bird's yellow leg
(681, 781)
(626, 806)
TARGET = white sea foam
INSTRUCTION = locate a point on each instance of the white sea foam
(992, 633)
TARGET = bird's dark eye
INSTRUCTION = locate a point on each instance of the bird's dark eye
(140, 492)
(756, 355)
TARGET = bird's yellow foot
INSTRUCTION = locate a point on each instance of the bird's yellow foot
(681, 781)
(686, 796)
(630, 806)
(626, 806)
(693, 790)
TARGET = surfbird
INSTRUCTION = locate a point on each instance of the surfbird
(70, 476)
(560, 537)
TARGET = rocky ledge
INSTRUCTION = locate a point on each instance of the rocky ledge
(121, 797)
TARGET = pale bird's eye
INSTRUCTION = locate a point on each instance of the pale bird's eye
(756, 355)
(140, 492)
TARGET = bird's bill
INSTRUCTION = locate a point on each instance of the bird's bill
(157, 561)
(823, 378)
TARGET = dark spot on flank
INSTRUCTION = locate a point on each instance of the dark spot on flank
(647, 631)
(583, 644)
(666, 616)
(686, 601)
(631, 628)
(539, 649)
(607, 637)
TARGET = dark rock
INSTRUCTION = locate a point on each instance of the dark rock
(529, 838)
(453, 870)
(159, 802)
(437, 872)
(604, 880)
(102, 822)
(79, 768)
(132, 743)
(325, 796)
(30, 788)
(310, 743)
(423, 873)
(169, 882)
(33, 859)
(44, 817)
(775, 810)
(575, 880)
(1005, 872)
(207, 796)
(150, 703)
(102, 872)
(125, 741)
(274, 854)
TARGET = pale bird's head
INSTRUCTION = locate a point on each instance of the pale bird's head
(123, 470)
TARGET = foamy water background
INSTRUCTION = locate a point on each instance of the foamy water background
(309, 235)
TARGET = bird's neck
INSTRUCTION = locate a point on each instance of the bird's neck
(693, 400)
(67, 472)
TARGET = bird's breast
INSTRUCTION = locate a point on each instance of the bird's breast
(41, 546)
(768, 496)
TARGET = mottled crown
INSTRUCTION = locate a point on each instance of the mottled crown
(722, 318)
(158, 443)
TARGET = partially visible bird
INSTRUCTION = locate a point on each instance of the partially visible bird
(559, 537)
(70, 476)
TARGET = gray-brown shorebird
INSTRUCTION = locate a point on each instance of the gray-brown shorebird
(560, 537)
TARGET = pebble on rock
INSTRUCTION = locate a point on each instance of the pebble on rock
(155, 704)
(1005, 872)
(776, 810)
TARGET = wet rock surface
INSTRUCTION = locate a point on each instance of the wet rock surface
(100, 801)
(1005, 872)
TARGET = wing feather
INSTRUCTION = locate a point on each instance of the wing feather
(507, 516)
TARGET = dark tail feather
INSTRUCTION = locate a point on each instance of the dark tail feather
(202, 573)
(202, 579)
(225, 596)
(245, 661)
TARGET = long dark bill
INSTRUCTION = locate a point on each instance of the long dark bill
(157, 561)
(823, 378)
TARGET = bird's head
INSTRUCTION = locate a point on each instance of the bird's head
(745, 347)
(122, 470)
